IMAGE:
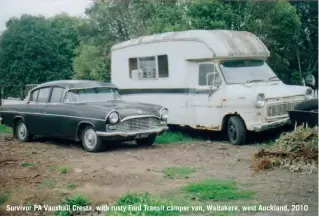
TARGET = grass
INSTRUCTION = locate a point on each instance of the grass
(71, 186)
(174, 137)
(4, 197)
(217, 190)
(62, 170)
(77, 200)
(178, 172)
(26, 164)
(48, 183)
(140, 200)
(5, 129)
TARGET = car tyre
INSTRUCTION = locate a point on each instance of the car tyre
(149, 141)
(90, 141)
(21, 132)
(236, 130)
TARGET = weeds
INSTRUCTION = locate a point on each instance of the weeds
(5, 129)
(72, 186)
(178, 172)
(62, 170)
(78, 201)
(4, 197)
(217, 190)
(26, 164)
(140, 200)
(174, 137)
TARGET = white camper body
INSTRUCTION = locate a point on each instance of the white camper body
(208, 79)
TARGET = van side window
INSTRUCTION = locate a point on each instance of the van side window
(132, 65)
(148, 66)
(162, 66)
(151, 67)
(203, 70)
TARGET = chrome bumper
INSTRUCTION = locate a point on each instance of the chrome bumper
(271, 125)
(131, 133)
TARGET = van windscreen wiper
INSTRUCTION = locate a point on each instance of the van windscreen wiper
(274, 77)
(254, 80)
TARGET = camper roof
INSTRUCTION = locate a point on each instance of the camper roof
(222, 43)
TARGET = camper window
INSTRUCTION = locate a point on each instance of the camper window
(204, 69)
(148, 67)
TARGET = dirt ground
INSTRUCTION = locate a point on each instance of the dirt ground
(104, 177)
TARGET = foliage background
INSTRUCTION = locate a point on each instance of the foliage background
(34, 49)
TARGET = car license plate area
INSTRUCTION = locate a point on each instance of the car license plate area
(141, 136)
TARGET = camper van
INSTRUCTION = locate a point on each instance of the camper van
(215, 80)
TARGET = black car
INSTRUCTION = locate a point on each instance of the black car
(89, 111)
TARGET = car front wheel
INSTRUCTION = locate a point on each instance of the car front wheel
(236, 130)
(149, 141)
(22, 132)
(90, 141)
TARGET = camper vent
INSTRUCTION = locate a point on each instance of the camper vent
(139, 124)
(281, 109)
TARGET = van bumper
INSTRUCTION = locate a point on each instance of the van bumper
(158, 130)
(272, 125)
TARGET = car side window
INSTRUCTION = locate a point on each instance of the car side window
(44, 94)
(56, 94)
(34, 96)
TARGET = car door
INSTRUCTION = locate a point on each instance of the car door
(205, 97)
(35, 116)
(60, 116)
(55, 113)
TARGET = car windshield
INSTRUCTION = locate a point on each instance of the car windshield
(97, 94)
(240, 71)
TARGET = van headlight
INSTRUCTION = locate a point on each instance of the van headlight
(260, 102)
(164, 114)
(308, 94)
(113, 117)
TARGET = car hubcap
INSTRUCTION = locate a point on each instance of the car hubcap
(90, 138)
(22, 131)
(232, 131)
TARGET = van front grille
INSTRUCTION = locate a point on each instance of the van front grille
(280, 109)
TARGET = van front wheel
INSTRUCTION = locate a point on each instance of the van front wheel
(236, 130)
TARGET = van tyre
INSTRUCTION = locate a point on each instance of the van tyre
(90, 141)
(236, 130)
(21, 132)
(149, 141)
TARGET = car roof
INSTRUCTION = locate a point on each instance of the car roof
(74, 84)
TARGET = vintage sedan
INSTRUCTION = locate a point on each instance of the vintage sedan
(90, 111)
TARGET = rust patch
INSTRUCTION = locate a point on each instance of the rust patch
(207, 128)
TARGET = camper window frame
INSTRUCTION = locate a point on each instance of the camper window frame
(156, 67)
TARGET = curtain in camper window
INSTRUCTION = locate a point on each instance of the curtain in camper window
(148, 65)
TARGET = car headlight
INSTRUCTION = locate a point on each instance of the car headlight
(113, 117)
(164, 113)
(260, 102)
(308, 94)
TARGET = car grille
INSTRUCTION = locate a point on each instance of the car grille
(138, 124)
(280, 109)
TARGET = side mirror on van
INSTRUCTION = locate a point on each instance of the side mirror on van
(213, 80)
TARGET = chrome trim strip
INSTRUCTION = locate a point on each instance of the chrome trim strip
(271, 125)
(138, 116)
(56, 115)
(131, 133)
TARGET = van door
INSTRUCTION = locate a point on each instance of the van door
(206, 97)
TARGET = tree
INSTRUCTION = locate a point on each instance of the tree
(35, 50)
